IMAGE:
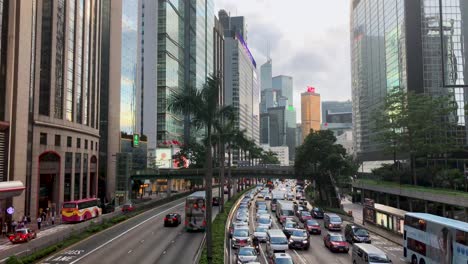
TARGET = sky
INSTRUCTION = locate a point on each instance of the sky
(308, 39)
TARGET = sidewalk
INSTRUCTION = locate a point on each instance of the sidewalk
(356, 209)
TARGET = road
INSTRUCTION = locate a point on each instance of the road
(141, 239)
(317, 252)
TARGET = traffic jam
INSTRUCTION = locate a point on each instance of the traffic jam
(274, 223)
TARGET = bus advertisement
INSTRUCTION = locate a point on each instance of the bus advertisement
(80, 210)
(434, 239)
(195, 218)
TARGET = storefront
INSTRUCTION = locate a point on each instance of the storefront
(386, 217)
(8, 190)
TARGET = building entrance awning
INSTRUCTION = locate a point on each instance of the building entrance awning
(10, 189)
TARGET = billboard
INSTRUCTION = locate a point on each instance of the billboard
(163, 157)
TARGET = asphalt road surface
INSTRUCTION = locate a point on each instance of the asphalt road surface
(317, 252)
(141, 239)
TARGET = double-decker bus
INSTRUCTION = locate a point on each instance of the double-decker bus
(434, 239)
(195, 218)
(80, 210)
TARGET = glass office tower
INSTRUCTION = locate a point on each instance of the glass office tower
(415, 45)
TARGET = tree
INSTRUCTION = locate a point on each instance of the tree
(321, 159)
(203, 108)
(417, 124)
(269, 157)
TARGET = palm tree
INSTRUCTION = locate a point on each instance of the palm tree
(203, 108)
(225, 129)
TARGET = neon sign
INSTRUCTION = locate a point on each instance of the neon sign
(310, 89)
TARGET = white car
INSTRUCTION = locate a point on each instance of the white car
(246, 255)
(264, 221)
(240, 238)
(261, 233)
(261, 212)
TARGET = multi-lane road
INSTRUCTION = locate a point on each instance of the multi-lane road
(317, 252)
(141, 239)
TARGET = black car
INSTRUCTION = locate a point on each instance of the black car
(172, 219)
(317, 213)
(216, 201)
(356, 234)
(288, 228)
(299, 239)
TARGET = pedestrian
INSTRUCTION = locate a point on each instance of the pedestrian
(25, 220)
(4, 229)
(13, 226)
(39, 221)
(29, 219)
(52, 219)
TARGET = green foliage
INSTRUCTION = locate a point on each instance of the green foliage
(320, 159)
(269, 157)
(450, 178)
(14, 260)
(416, 124)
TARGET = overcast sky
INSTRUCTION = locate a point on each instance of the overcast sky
(309, 40)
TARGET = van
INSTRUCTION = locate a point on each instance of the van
(368, 254)
(332, 222)
(276, 241)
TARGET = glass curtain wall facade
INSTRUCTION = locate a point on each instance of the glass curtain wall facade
(423, 52)
(128, 68)
(170, 67)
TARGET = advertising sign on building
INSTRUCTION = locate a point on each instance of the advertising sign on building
(163, 157)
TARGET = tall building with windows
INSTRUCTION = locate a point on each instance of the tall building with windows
(175, 49)
(59, 117)
(415, 45)
(310, 112)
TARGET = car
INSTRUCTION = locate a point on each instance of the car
(290, 196)
(240, 237)
(261, 212)
(128, 207)
(304, 216)
(267, 197)
(172, 219)
(236, 226)
(298, 195)
(257, 203)
(243, 206)
(241, 217)
(332, 222)
(356, 234)
(281, 258)
(313, 227)
(260, 195)
(22, 235)
(246, 255)
(264, 221)
(303, 202)
(260, 233)
(317, 213)
(335, 242)
(216, 201)
(288, 228)
(262, 207)
(299, 239)
(299, 209)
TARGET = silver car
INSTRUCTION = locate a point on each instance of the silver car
(240, 238)
(264, 221)
(246, 255)
(261, 233)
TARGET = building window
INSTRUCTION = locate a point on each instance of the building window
(86, 144)
(57, 140)
(46, 55)
(43, 139)
(92, 145)
(95, 146)
(69, 142)
(78, 142)
(59, 59)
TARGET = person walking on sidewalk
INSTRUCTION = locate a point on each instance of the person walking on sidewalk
(13, 226)
(4, 229)
(39, 222)
(52, 219)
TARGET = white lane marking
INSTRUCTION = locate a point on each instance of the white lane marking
(263, 254)
(300, 257)
(122, 234)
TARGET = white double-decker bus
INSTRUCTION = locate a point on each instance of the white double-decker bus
(431, 239)
(195, 218)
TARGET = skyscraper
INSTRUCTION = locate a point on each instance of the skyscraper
(422, 52)
(285, 85)
(310, 111)
(61, 62)
(266, 75)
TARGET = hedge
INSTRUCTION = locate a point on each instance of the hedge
(219, 227)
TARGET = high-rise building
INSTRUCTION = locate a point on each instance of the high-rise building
(299, 134)
(285, 85)
(242, 87)
(414, 45)
(128, 81)
(335, 107)
(52, 115)
(277, 126)
(218, 57)
(233, 25)
(310, 111)
(176, 41)
(266, 75)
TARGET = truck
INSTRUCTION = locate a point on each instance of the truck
(276, 196)
(284, 209)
